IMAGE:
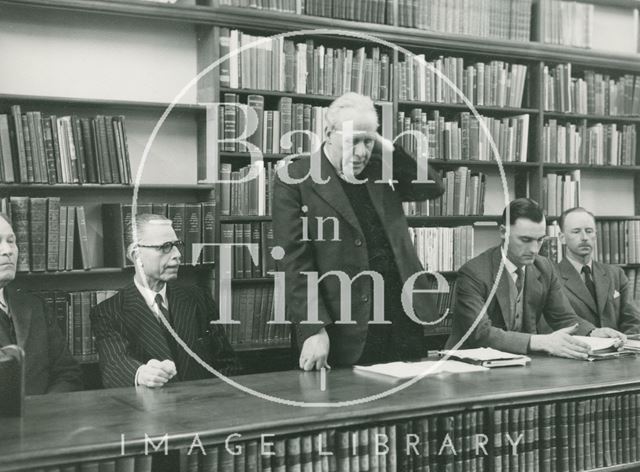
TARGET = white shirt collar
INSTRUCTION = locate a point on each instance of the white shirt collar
(149, 295)
(510, 266)
(579, 265)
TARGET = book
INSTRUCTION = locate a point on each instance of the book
(407, 370)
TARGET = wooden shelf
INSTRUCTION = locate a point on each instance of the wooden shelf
(464, 107)
(265, 21)
(448, 220)
(303, 97)
(252, 281)
(243, 219)
(104, 271)
(84, 187)
(477, 163)
(557, 166)
(98, 102)
(261, 347)
(593, 118)
(246, 155)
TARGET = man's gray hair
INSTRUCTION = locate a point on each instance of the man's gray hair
(142, 222)
(349, 100)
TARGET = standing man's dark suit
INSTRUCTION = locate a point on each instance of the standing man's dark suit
(542, 296)
(614, 307)
(50, 368)
(349, 254)
(128, 335)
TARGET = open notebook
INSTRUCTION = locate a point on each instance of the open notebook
(488, 357)
(407, 370)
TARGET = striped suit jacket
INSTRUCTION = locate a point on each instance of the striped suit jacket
(128, 335)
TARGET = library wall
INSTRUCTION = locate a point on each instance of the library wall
(607, 194)
(83, 55)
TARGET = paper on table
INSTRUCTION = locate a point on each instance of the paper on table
(482, 354)
(598, 344)
(407, 370)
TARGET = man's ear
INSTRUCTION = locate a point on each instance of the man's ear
(503, 232)
(561, 238)
(132, 252)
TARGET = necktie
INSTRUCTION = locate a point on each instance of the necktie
(588, 281)
(519, 279)
(7, 323)
(171, 342)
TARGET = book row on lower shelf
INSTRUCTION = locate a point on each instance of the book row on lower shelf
(463, 138)
(464, 195)
(50, 236)
(598, 144)
(443, 249)
(593, 94)
(617, 242)
(560, 192)
(574, 435)
(67, 149)
(72, 311)
(258, 233)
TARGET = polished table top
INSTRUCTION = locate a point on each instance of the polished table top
(69, 425)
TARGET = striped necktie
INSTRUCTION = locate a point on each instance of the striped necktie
(6, 321)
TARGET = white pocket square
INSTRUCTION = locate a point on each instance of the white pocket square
(616, 294)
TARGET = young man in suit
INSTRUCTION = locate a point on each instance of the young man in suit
(134, 345)
(527, 289)
(599, 293)
(350, 223)
(25, 321)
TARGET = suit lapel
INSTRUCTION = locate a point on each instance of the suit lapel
(502, 294)
(603, 285)
(21, 314)
(183, 312)
(144, 324)
(532, 295)
(332, 192)
(574, 283)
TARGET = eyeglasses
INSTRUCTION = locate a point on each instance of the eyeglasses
(166, 247)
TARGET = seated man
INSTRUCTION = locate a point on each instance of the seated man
(134, 346)
(528, 288)
(25, 321)
(599, 293)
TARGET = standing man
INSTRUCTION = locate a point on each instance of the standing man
(342, 225)
(25, 321)
(527, 289)
(134, 346)
(599, 293)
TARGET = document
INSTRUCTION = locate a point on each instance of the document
(407, 370)
(488, 357)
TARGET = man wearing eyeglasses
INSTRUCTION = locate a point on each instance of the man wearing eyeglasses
(506, 317)
(135, 345)
(599, 293)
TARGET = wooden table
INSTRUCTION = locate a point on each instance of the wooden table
(88, 427)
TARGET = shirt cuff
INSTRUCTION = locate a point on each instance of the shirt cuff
(135, 379)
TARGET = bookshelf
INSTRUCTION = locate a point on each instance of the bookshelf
(175, 42)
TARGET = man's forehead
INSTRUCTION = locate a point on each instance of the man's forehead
(157, 230)
(527, 227)
(579, 219)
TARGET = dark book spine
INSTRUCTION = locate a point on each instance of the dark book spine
(71, 226)
(20, 223)
(28, 150)
(52, 177)
(89, 150)
(78, 143)
(176, 212)
(116, 177)
(62, 247)
(192, 232)
(208, 231)
(103, 150)
(19, 146)
(83, 239)
(53, 233)
(114, 239)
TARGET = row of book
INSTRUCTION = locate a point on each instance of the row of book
(496, 83)
(464, 138)
(50, 236)
(443, 249)
(293, 128)
(251, 192)
(72, 311)
(464, 196)
(560, 192)
(194, 223)
(568, 23)
(68, 149)
(593, 94)
(618, 242)
(258, 233)
(495, 19)
(285, 65)
(253, 308)
(633, 274)
(370, 11)
(598, 144)
(445, 311)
